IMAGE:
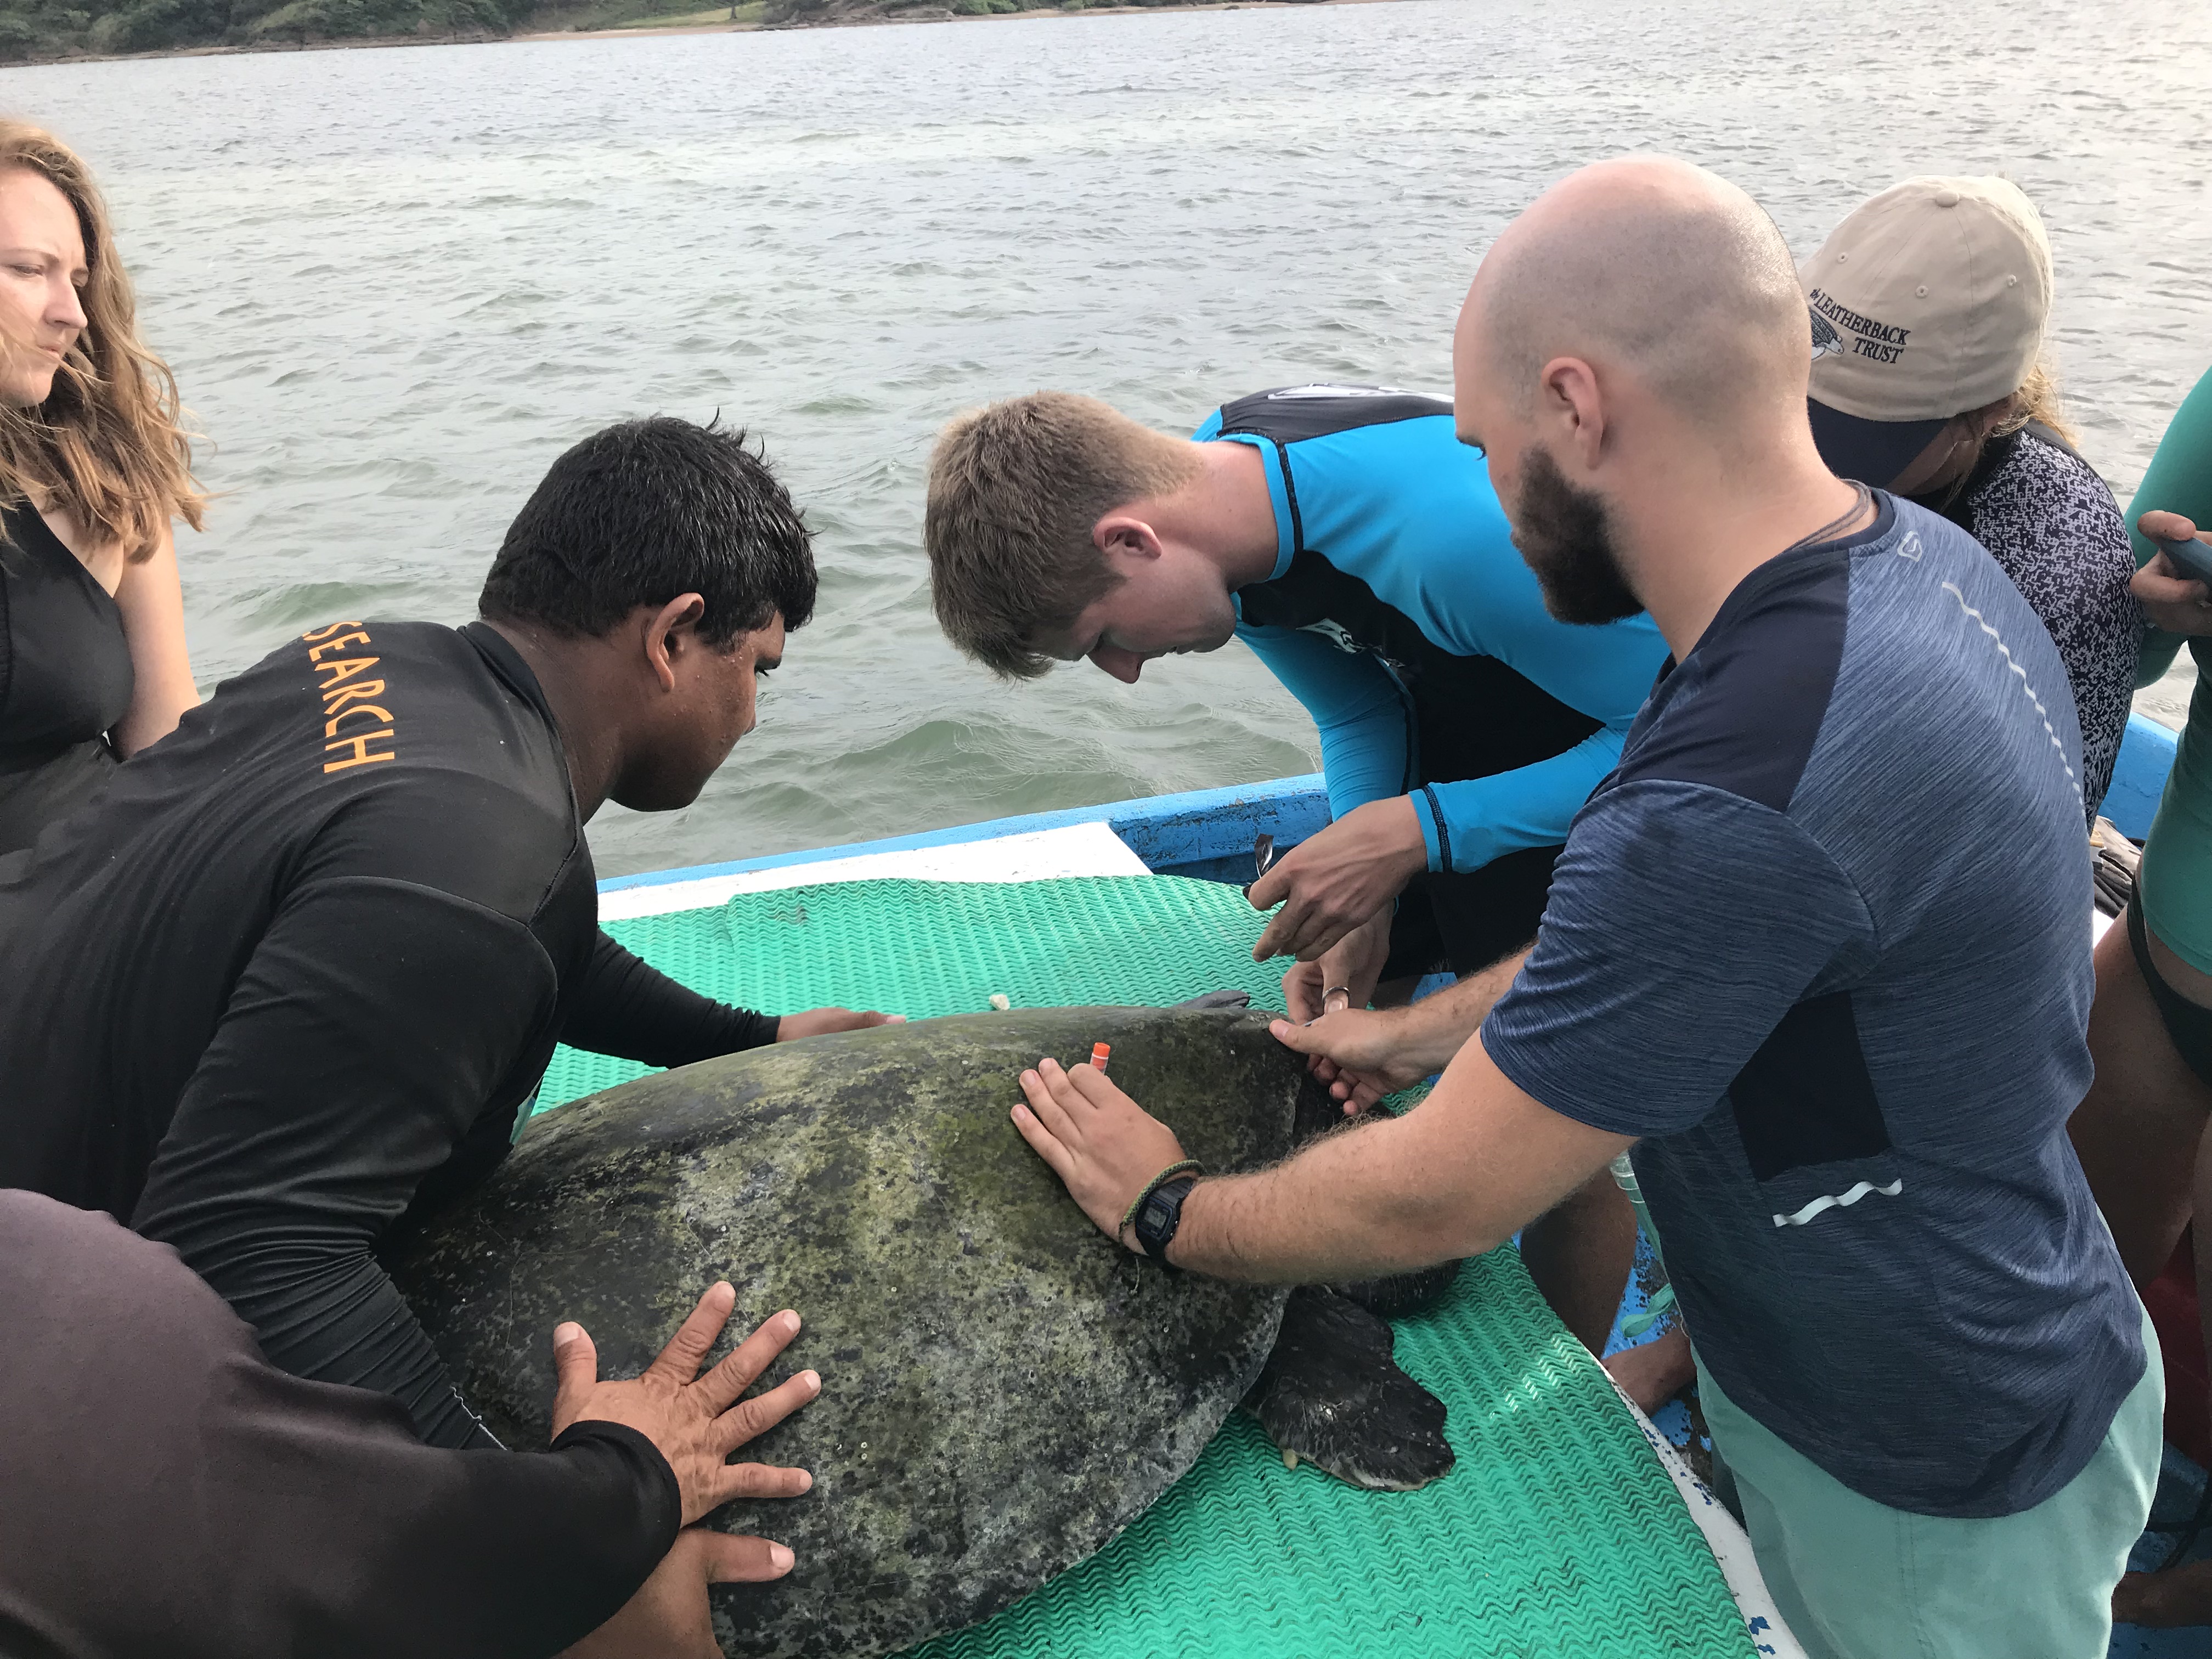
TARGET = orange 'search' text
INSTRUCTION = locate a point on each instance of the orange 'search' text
(347, 695)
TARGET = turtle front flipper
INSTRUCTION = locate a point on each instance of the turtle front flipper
(1331, 1394)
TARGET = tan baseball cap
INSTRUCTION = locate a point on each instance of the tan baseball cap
(1928, 300)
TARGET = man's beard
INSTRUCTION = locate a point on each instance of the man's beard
(1563, 536)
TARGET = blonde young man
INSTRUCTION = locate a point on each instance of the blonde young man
(1348, 538)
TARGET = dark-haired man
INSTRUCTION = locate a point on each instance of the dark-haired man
(297, 976)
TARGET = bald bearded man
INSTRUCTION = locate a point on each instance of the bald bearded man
(1844, 1068)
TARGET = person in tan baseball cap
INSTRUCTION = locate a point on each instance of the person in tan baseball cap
(1930, 305)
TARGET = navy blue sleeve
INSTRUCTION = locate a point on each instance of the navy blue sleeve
(1354, 704)
(1684, 922)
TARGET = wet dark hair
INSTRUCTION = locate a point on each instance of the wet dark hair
(641, 512)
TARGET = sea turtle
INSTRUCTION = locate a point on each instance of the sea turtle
(1003, 1389)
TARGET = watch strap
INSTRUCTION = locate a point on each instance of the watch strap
(1161, 1215)
(1128, 1216)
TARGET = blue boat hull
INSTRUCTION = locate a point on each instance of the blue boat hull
(1208, 833)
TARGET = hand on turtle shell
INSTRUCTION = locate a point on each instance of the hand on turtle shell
(668, 1618)
(815, 1022)
(1097, 1141)
(695, 1423)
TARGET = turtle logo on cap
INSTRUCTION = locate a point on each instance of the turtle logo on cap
(1826, 343)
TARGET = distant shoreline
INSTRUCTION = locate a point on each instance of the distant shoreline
(854, 19)
(915, 14)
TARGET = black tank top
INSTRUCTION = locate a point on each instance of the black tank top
(65, 677)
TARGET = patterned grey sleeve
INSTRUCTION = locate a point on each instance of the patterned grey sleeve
(2051, 523)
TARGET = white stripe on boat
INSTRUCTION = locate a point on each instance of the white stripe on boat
(1771, 1639)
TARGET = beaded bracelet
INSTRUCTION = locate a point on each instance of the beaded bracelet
(1188, 1166)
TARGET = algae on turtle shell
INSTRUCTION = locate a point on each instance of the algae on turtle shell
(1003, 1389)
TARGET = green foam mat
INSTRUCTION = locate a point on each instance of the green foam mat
(1557, 1534)
(923, 948)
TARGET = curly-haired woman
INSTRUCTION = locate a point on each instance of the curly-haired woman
(93, 467)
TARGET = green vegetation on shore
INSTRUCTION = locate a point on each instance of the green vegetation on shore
(33, 31)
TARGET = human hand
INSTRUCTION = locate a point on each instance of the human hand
(1345, 977)
(1358, 1053)
(1302, 991)
(668, 1618)
(2171, 599)
(1351, 967)
(1098, 1141)
(696, 1425)
(815, 1022)
(1337, 880)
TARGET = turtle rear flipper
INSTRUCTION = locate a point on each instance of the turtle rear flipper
(1331, 1394)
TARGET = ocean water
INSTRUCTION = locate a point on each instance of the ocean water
(395, 283)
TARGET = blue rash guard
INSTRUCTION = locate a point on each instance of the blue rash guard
(1401, 616)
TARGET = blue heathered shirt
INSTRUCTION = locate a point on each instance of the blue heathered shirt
(1822, 940)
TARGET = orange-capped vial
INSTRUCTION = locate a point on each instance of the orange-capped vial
(1098, 1053)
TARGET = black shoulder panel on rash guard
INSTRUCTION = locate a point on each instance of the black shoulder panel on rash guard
(1288, 414)
(1440, 686)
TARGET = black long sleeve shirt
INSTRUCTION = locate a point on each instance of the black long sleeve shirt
(168, 1491)
(298, 971)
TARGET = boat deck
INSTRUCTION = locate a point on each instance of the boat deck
(1067, 908)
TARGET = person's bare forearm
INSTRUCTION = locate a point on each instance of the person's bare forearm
(153, 608)
(1454, 1176)
(1339, 1211)
(1426, 1035)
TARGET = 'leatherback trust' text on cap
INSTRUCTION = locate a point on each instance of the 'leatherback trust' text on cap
(1928, 300)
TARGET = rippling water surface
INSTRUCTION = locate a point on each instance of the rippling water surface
(395, 283)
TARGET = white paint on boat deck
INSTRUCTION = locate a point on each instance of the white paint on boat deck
(1076, 849)
(1731, 1546)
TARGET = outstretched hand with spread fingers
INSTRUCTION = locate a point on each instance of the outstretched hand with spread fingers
(696, 1424)
(1097, 1141)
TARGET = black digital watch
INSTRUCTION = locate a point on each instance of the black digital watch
(1158, 1217)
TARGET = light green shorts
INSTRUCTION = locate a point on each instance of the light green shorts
(1854, 1579)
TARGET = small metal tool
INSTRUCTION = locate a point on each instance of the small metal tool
(1263, 859)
